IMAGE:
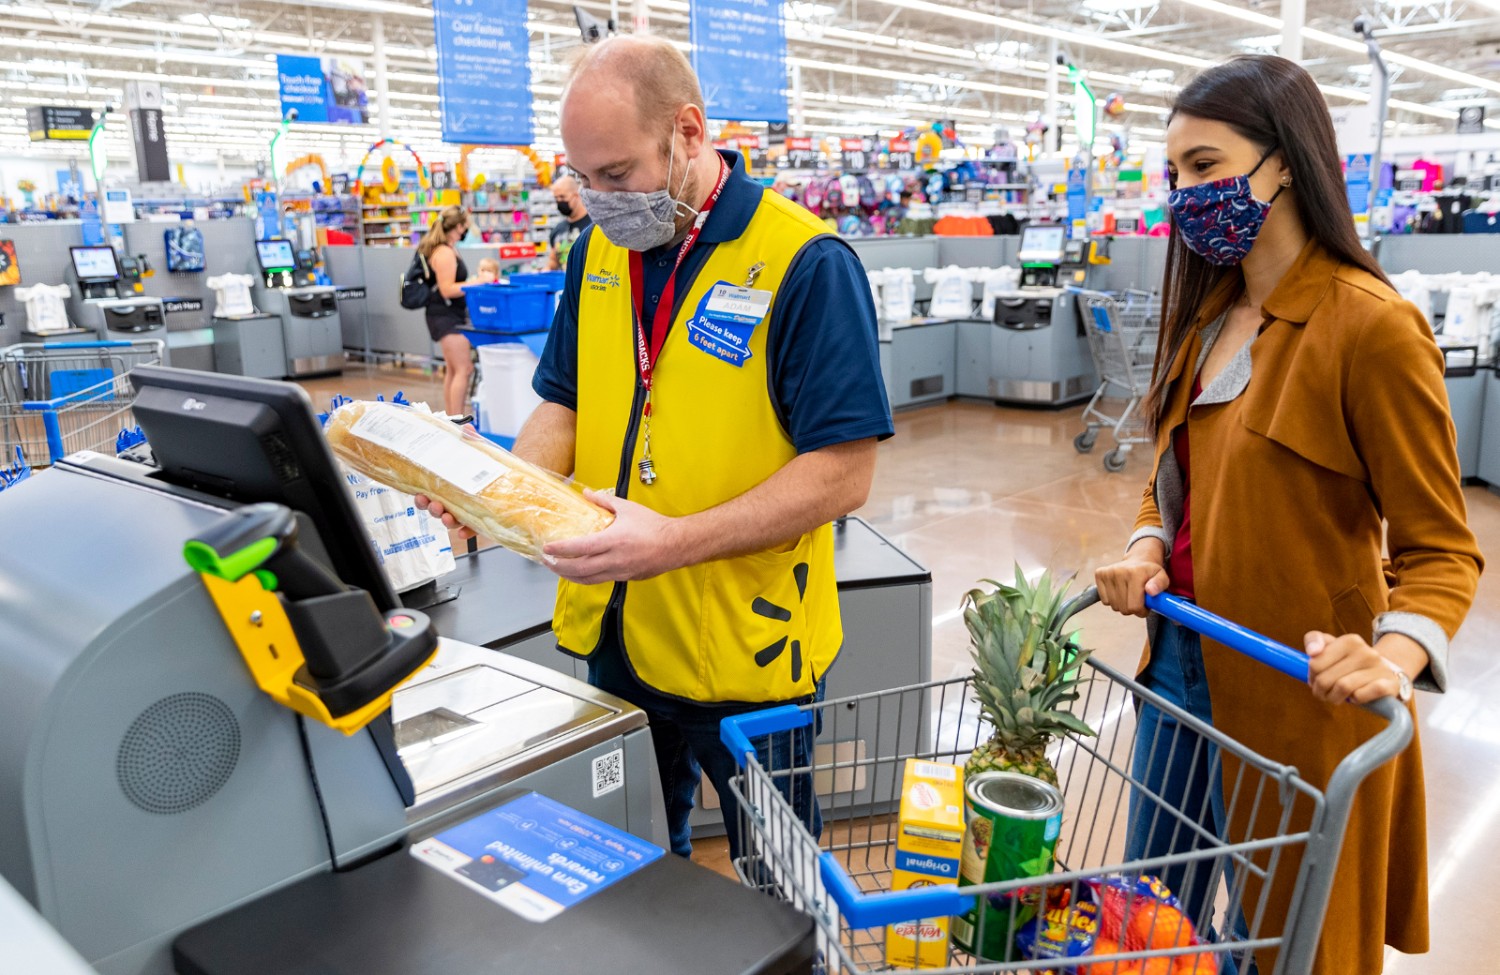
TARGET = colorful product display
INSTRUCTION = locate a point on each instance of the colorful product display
(929, 844)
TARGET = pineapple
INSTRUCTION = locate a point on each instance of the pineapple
(1025, 673)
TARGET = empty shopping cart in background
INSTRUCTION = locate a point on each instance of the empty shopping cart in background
(842, 879)
(57, 398)
(1122, 330)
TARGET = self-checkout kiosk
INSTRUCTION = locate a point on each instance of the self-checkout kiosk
(106, 296)
(219, 698)
(309, 312)
(1039, 349)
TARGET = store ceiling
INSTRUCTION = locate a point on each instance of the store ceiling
(864, 65)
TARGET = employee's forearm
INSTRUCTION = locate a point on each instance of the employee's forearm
(814, 489)
(548, 439)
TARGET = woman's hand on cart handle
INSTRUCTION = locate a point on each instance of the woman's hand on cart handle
(1347, 668)
(436, 510)
(1124, 586)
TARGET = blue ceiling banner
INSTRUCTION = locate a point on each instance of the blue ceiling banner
(739, 53)
(326, 89)
(484, 80)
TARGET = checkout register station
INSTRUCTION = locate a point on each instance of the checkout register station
(312, 337)
(1039, 351)
(105, 299)
(222, 735)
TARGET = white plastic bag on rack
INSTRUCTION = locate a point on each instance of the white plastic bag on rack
(952, 291)
(997, 281)
(898, 288)
(1416, 288)
(875, 278)
(1470, 316)
(413, 547)
(45, 308)
(233, 295)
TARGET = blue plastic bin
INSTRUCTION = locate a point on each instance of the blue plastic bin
(507, 309)
(539, 280)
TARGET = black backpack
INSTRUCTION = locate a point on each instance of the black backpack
(416, 283)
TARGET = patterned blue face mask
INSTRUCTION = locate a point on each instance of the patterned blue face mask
(1219, 221)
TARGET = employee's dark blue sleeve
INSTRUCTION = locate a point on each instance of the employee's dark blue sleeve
(556, 378)
(824, 351)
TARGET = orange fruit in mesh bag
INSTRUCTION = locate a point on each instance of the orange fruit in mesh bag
(1157, 926)
(1108, 946)
(1203, 964)
(1157, 966)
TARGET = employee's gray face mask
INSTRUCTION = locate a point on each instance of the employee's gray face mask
(639, 221)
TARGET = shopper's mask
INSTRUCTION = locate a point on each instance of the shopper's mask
(640, 221)
(565, 208)
(1219, 221)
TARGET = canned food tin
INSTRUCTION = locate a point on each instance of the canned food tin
(1013, 824)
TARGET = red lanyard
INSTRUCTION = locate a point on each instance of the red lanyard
(661, 323)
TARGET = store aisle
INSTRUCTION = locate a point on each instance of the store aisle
(969, 489)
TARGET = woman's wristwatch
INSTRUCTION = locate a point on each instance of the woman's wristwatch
(1403, 682)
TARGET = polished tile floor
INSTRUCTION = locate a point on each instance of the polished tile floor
(969, 489)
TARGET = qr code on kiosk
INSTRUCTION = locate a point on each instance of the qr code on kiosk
(609, 772)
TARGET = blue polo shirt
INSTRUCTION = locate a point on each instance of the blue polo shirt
(822, 349)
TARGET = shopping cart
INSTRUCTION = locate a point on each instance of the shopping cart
(60, 397)
(1122, 330)
(843, 880)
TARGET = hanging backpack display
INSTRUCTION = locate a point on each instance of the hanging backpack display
(416, 283)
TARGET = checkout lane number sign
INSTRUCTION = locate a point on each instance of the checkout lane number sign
(536, 857)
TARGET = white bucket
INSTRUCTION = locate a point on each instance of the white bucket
(505, 398)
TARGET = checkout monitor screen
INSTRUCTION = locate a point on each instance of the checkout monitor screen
(275, 255)
(253, 440)
(95, 264)
(1043, 243)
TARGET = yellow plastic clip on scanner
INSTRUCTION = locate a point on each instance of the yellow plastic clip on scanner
(311, 643)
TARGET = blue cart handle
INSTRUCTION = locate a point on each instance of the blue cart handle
(1277, 656)
(113, 344)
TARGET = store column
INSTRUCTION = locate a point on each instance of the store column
(382, 82)
(1293, 19)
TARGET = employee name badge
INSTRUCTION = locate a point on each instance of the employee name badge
(725, 320)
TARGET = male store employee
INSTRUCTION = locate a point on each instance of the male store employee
(714, 361)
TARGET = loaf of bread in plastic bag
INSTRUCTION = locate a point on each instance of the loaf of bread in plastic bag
(484, 486)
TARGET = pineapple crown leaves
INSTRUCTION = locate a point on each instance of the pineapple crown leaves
(1026, 670)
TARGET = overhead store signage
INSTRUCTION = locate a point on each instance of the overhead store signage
(1357, 182)
(855, 155)
(57, 122)
(323, 89)
(739, 53)
(901, 155)
(484, 79)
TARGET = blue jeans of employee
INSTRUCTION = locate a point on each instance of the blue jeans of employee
(685, 735)
(1184, 771)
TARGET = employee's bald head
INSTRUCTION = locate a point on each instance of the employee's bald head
(643, 73)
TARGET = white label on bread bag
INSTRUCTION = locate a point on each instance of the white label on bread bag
(420, 442)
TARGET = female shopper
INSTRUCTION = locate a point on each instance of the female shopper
(446, 310)
(1299, 412)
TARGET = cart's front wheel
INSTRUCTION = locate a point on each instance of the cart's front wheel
(1084, 442)
(1114, 461)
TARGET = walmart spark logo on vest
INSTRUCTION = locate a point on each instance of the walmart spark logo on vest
(602, 280)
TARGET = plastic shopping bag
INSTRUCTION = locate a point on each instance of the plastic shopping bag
(899, 292)
(997, 281)
(412, 546)
(952, 291)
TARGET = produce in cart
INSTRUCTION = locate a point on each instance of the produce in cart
(1025, 674)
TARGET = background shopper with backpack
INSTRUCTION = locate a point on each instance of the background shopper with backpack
(435, 283)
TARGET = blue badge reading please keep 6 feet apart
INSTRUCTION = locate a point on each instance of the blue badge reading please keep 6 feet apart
(725, 320)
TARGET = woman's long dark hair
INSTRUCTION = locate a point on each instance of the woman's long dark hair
(1274, 103)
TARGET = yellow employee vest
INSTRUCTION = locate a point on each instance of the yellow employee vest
(759, 628)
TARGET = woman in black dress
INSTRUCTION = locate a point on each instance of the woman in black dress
(446, 309)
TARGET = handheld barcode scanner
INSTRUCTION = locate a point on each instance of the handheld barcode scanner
(313, 644)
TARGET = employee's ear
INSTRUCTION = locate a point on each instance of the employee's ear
(692, 128)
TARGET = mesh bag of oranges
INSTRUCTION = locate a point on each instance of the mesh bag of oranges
(1109, 917)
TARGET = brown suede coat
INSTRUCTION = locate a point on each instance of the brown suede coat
(1343, 430)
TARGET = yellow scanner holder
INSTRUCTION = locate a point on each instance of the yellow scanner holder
(243, 587)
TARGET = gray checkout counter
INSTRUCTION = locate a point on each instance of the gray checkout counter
(505, 603)
(148, 785)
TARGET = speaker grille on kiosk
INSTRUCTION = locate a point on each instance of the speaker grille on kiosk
(178, 753)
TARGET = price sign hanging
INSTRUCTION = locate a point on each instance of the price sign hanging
(856, 155)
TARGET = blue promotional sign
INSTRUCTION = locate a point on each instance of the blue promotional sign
(1357, 182)
(1077, 194)
(93, 226)
(323, 89)
(484, 80)
(536, 857)
(739, 53)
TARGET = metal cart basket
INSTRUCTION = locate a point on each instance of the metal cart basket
(57, 398)
(1122, 330)
(1291, 841)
